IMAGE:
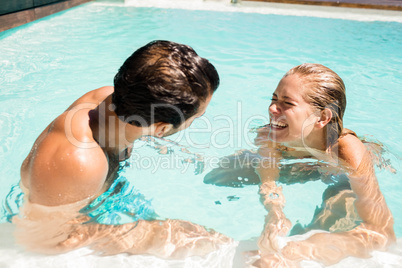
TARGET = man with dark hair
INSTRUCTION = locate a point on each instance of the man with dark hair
(159, 90)
(184, 80)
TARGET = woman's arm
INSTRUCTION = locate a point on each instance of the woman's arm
(376, 230)
(276, 223)
(370, 203)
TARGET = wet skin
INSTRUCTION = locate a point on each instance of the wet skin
(75, 155)
(73, 161)
(296, 130)
(299, 128)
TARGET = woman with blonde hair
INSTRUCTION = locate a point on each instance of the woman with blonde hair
(306, 120)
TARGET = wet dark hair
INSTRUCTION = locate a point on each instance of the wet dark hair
(162, 81)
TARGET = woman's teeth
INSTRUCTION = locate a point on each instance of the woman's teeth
(278, 124)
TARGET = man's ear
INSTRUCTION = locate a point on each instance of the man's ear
(325, 117)
(159, 129)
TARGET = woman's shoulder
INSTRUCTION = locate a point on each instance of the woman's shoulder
(350, 148)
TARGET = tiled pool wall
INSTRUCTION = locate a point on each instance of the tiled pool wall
(14, 13)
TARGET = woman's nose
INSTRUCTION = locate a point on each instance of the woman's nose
(274, 109)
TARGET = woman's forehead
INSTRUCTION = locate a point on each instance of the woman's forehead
(290, 87)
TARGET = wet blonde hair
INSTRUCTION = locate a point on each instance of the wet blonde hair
(323, 88)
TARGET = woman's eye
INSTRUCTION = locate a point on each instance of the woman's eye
(273, 99)
(289, 103)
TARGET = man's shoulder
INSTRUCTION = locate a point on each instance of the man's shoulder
(69, 141)
(59, 167)
(97, 95)
(71, 132)
(72, 143)
(92, 98)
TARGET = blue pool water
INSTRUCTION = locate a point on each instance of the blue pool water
(46, 65)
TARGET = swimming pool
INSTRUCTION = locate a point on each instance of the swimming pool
(47, 64)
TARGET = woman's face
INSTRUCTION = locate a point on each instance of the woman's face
(291, 117)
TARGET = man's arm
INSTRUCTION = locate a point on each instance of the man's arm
(61, 174)
(166, 239)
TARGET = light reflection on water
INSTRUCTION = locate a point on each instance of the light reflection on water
(161, 188)
(40, 77)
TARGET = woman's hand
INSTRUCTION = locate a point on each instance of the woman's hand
(272, 195)
(276, 223)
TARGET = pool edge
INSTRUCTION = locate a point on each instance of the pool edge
(15, 19)
(348, 4)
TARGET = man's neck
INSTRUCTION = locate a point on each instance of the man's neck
(109, 131)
